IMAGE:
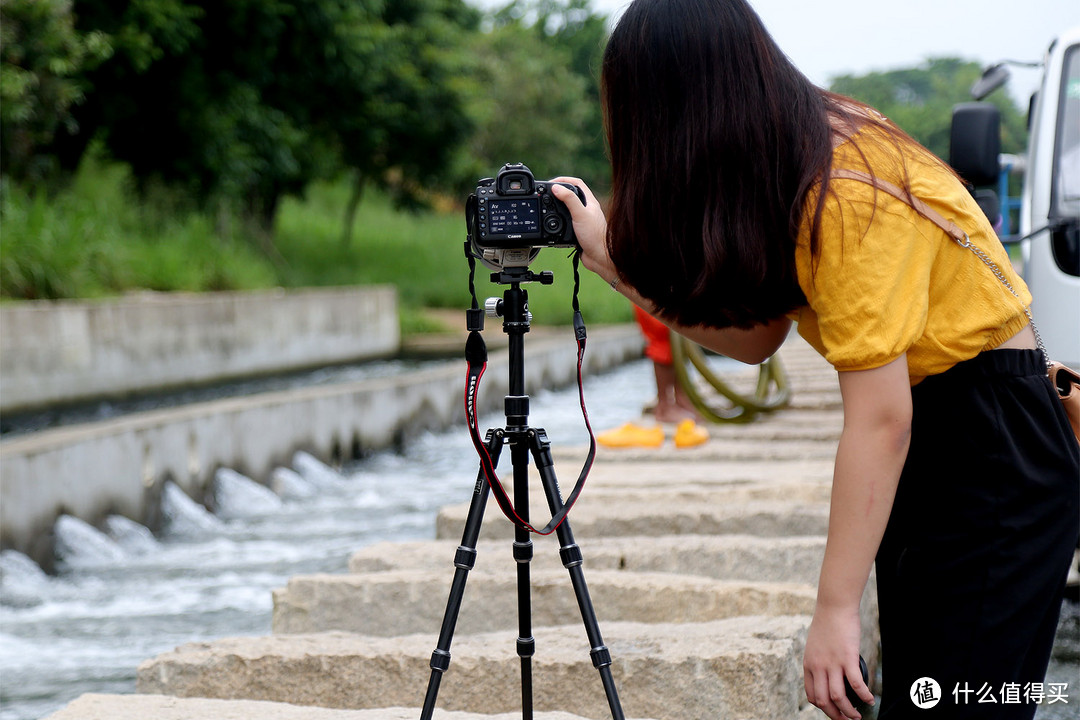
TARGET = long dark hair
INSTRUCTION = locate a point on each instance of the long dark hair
(715, 139)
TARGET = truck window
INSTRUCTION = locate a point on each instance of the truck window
(1066, 191)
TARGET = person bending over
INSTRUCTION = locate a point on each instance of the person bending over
(731, 218)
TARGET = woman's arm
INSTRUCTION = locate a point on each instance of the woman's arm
(871, 454)
(751, 346)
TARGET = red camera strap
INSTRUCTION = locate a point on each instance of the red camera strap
(476, 355)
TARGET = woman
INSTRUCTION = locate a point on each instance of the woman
(955, 468)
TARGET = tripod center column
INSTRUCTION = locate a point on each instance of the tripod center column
(515, 312)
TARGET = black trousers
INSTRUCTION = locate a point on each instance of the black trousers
(972, 567)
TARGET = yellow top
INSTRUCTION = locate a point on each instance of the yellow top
(888, 281)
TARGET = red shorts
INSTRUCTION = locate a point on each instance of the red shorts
(657, 337)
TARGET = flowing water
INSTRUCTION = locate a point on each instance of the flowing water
(123, 596)
(126, 596)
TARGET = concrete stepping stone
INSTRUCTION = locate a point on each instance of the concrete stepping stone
(605, 495)
(743, 668)
(404, 602)
(669, 471)
(723, 557)
(645, 518)
(163, 707)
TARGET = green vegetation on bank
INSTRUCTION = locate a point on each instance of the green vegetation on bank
(93, 240)
(96, 239)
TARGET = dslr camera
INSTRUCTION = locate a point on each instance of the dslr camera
(512, 216)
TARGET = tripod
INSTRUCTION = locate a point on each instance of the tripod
(523, 441)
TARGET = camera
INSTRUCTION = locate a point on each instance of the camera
(512, 216)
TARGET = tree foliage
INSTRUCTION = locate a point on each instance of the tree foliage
(243, 102)
(578, 35)
(920, 101)
(412, 116)
(42, 62)
(238, 104)
(526, 107)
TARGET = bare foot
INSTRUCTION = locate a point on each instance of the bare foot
(672, 413)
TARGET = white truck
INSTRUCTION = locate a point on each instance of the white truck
(1049, 222)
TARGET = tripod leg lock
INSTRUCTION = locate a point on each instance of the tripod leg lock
(523, 551)
(440, 661)
(571, 556)
(526, 647)
(601, 657)
(516, 408)
(465, 558)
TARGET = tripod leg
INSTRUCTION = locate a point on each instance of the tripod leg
(523, 555)
(572, 561)
(464, 560)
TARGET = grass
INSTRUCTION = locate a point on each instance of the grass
(95, 240)
(422, 255)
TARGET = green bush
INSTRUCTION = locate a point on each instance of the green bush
(95, 239)
(98, 238)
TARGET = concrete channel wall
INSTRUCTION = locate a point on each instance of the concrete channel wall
(65, 352)
(121, 465)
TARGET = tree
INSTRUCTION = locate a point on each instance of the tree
(407, 132)
(240, 103)
(532, 93)
(42, 62)
(527, 107)
(920, 101)
(581, 33)
(574, 30)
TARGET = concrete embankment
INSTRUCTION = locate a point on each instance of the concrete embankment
(71, 351)
(121, 466)
(701, 564)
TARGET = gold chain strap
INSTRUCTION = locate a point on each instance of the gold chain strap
(989, 262)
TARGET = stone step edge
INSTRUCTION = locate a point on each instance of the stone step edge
(645, 519)
(97, 706)
(758, 656)
(438, 554)
(400, 602)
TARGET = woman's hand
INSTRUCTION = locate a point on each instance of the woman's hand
(590, 227)
(832, 653)
(869, 460)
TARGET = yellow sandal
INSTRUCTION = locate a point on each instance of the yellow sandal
(632, 435)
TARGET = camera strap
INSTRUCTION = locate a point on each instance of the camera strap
(476, 356)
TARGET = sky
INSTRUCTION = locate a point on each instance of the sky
(827, 38)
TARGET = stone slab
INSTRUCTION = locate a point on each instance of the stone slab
(723, 557)
(663, 470)
(770, 518)
(722, 448)
(746, 668)
(162, 707)
(405, 602)
(610, 491)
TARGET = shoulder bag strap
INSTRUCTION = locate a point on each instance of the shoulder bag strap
(951, 229)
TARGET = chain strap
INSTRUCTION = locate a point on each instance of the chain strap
(989, 262)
